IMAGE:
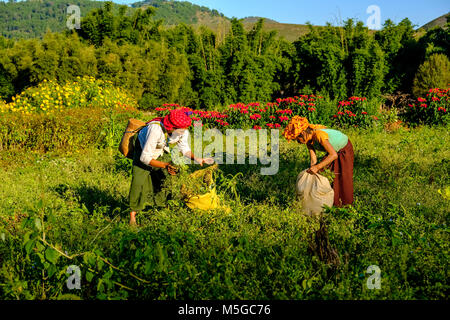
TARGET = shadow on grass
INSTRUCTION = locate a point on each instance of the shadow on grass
(93, 198)
(252, 185)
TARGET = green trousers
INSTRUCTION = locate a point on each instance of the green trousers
(146, 182)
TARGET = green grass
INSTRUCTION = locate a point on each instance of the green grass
(259, 250)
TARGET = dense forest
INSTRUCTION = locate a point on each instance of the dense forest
(32, 18)
(134, 50)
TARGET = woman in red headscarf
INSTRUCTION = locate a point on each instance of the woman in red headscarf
(151, 160)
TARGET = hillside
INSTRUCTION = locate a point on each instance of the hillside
(32, 18)
(290, 32)
(441, 22)
(176, 12)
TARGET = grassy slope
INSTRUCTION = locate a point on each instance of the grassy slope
(440, 21)
(259, 250)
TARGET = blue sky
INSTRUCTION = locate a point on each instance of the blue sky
(318, 12)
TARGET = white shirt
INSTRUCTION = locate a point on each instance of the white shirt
(153, 142)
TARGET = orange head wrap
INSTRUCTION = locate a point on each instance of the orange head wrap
(297, 125)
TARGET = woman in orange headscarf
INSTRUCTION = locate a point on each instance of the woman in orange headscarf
(339, 156)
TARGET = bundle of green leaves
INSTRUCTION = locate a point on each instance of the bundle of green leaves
(187, 183)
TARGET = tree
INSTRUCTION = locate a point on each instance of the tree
(433, 73)
(402, 55)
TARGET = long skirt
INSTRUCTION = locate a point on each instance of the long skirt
(146, 183)
(343, 181)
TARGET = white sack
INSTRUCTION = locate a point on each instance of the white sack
(314, 191)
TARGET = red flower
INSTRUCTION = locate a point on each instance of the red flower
(364, 112)
(256, 127)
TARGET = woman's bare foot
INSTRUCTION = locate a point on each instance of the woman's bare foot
(133, 218)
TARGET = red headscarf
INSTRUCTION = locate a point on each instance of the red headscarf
(176, 119)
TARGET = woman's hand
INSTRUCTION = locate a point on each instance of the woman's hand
(201, 161)
(171, 169)
(313, 170)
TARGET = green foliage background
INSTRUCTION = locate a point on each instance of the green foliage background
(198, 68)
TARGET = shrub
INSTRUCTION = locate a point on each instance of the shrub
(355, 112)
(433, 73)
(50, 97)
(432, 110)
(74, 129)
(258, 115)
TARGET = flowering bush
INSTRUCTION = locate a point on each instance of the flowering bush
(255, 115)
(354, 112)
(50, 97)
(432, 110)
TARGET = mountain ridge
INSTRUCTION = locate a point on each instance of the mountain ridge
(32, 18)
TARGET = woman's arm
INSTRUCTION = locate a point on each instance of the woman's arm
(332, 155)
(191, 156)
(153, 134)
(312, 154)
(185, 149)
(158, 164)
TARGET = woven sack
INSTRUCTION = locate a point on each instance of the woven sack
(125, 146)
